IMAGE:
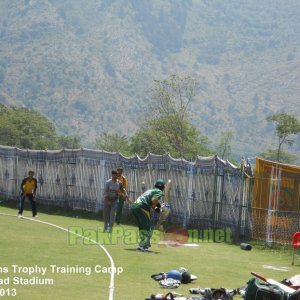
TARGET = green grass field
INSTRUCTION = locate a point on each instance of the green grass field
(28, 244)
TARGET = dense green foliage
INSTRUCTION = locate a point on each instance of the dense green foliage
(158, 137)
(167, 128)
(224, 146)
(166, 131)
(285, 157)
(287, 127)
(114, 143)
(68, 142)
(29, 129)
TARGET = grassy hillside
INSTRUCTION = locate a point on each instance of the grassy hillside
(88, 65)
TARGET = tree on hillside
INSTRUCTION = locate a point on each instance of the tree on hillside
(286, 127)
(27, 129)
(69, 142)
(152, 138)
(167, 128)
(113, 143)
(285, 157)
(224, 146)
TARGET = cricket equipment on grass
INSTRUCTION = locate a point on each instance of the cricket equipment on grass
(174, 278)
(282, 286)
(295, 295)
(257, 290)
(245, 246)
(170, 283)
(158, 296)
(172, 296)
(213, 293)
(293, 282)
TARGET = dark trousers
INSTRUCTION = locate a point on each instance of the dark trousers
(142, 220)
(119, 209)
(32, 202)
(109, 213)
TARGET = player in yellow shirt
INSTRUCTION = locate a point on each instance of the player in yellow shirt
(28, 188)
(121, 196)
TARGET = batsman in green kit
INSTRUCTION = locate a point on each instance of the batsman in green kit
(141, 211)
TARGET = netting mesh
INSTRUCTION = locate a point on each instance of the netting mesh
(208, 193)
(274, 226)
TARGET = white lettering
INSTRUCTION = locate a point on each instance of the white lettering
(32, 281)
(3, 270)
(29, 270)
(100, 269)
(71, 269)
(4, 281)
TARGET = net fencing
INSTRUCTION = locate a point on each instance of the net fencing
(276, 202)
(208, 193)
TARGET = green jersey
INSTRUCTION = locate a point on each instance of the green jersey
(145, 200)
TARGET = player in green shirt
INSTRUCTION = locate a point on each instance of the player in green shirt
(141, 211)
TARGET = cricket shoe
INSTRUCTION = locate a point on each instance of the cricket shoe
(143, 249)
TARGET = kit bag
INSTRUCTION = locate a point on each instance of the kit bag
(295, 295)
(257, 290)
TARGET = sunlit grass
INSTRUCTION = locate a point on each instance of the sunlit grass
(28, 244)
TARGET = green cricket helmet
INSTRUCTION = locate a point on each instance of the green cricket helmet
(160, 184)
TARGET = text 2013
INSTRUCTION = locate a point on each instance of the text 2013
(8, 292)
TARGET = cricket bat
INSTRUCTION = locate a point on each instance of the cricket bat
(167, 191)
(284, 287)
(165, 210)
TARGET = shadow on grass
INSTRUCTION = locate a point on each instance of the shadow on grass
(63, 211)
(147, 252)
(127, 219)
